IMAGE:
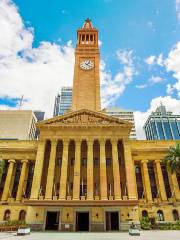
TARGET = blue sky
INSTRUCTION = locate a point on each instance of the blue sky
(145, 33)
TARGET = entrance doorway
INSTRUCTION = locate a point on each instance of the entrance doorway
(112, 221)
(82, 221)
(52, 221)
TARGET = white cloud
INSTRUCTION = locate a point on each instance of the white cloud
(160, 60)
(113, 87)
(150, 60)
(37, 73)
(155, 79)
(100, 43)
(171, 104)
(172, 64)
(142, 86)
(169, 89)
(125, 56)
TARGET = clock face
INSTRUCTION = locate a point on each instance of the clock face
(86, 64)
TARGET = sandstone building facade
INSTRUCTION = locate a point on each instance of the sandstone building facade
(84, 173)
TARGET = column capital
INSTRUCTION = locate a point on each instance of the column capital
(24, 161)
(102, 141)
(11, 160)
(54, 142)
(157, 161)
(144, 161)
(65, 141)
(90, 141)
(114, 140)
(78, 141)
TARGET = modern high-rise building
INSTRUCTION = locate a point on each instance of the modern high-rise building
(18, 124)
(63, 101)
(162, 125)
(123, 114)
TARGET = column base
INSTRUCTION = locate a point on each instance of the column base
(117, 198)
(69, 198)
(90, 198)
(62, 199)
(83, 198)
(104, 198)
(47, 198)
(111, 198)
(33, 199)
(96, 198)
(132, 198)
(76, 198)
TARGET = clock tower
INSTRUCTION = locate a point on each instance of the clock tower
(86, 82)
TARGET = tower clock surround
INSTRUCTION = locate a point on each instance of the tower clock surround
(86, 64)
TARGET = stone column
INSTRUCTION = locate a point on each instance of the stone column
(130, 172)
(51, 167)
(6, 189)
(146, 180)
(116, 172)
(64, 169)
(103, 175)
(90, 174)
(175, 185)
(160, 180)
(21, 180)
(38, 170)
(77, 168)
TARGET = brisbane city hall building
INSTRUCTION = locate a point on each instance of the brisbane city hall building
(84, 173)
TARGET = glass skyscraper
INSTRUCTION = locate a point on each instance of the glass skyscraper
(63, 101)
(162, 125)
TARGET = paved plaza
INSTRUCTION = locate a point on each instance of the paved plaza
(145, 235)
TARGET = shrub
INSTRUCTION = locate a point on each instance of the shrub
(145, 223)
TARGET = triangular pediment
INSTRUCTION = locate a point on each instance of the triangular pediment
(86, 118)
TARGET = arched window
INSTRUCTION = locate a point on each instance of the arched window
(22, 215)
(160, 215)
(144, 213)
(175, 215)
(7, 215)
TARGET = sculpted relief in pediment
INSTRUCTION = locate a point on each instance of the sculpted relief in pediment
(85, 119)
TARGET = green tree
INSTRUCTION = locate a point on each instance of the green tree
(172, 159)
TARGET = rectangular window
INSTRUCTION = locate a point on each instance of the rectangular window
(139, 181)
(160, 130)
(152, 180)
(153, 126)
(91, 38)
(167, 130)
(175, 130)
